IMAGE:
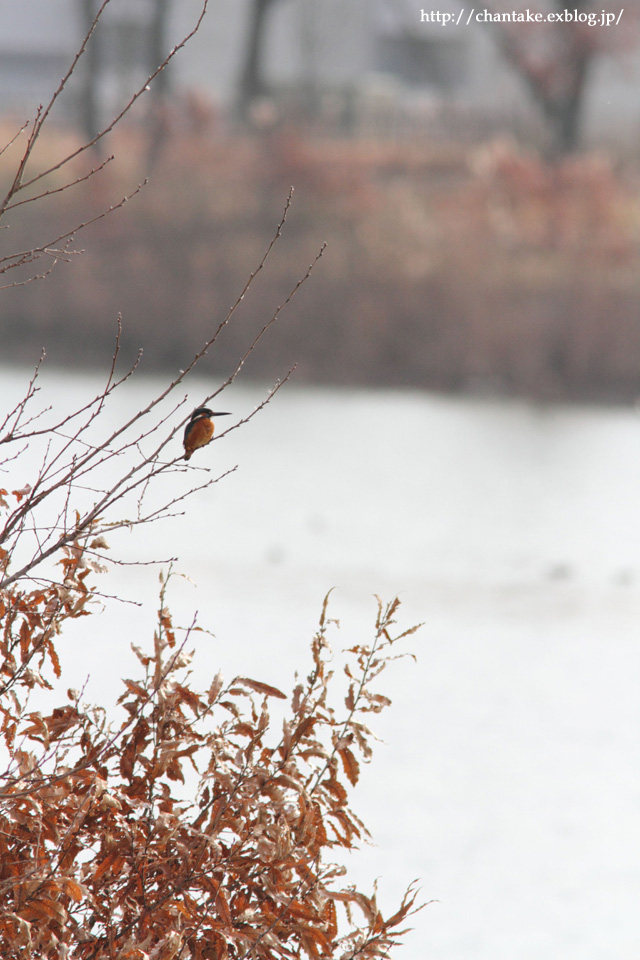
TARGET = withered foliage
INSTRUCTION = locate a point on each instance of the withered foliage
(195, 826)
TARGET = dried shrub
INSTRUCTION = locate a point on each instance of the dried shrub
(193, 828)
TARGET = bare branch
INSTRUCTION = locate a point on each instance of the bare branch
(122, 113)
(65, 186)
(14, 138)
(13, 260)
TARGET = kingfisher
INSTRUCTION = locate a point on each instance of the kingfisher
(199, 431)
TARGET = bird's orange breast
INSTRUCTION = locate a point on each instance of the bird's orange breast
(198, 434)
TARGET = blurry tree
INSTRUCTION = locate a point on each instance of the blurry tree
(555, 59)
(100, 56)
(157, 45)
(252, 83)
(91, 69)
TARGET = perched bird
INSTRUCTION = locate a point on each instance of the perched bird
(199, 431)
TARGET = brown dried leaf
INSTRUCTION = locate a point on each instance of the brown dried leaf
(303, 728)
(135, 688)
(330, 918)
(99, 544)
(244, 730)
(350, 764)
(350, 699)
(260, 687)
(25, 641)
(335, 787)
(188, 696)
(45, 909)
(215, 688)
(113, 863)
(73, 889)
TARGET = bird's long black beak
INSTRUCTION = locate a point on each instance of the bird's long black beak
(222, 413)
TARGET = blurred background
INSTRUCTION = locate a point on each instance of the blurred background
(461, 425)
(478, 183)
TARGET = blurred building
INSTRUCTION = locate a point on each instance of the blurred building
(345, 56)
